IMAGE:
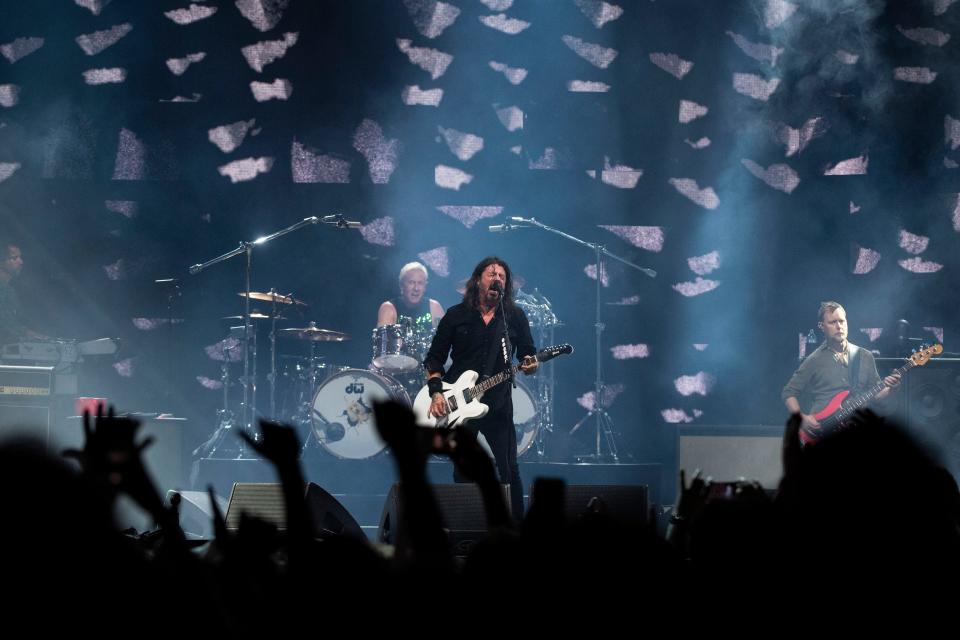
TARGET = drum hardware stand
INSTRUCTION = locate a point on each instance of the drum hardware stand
(225, 417)
(604, 421)
(272, 376)
(249, 391)
(171, 294)
(545, 396)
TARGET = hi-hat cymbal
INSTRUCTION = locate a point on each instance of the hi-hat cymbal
(253, 316)
(272, 297)
(315, 334)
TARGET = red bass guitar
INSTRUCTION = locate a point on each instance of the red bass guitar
(836, 415)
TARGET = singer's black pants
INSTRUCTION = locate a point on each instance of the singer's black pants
(500, 433)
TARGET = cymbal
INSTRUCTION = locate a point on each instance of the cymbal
(315, 334)
(271, 297)
(253, 316)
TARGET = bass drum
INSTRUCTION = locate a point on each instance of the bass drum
(342, 416)
(526, 416)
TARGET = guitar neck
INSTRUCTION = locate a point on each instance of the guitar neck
(493, 381)
(871, 393)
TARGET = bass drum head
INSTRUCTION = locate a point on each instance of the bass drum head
(525, 413)
(342, 416)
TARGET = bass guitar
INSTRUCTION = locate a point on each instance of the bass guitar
(836, 415)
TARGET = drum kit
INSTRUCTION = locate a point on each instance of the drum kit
(332, 404)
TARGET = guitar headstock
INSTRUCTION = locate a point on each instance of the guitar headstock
(922, 356)
(549, 353)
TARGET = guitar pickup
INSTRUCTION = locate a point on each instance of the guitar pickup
(452, 403)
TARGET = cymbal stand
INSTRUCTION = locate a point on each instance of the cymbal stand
(604, 421)
(272, 376)
(545, 389)
(225, 418)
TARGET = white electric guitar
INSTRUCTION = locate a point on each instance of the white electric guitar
(463, 396)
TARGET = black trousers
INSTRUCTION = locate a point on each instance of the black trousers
(500, 433)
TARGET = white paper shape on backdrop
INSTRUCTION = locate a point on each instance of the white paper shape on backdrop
(279, 89)
(500, 22)
(20, 48)
(672, 64)
(246, 169)
(262, 53)
(308, 166)
(194, 13)
(94, 43)
(433, 61)
(430, 17)
(597, 55)
(262, 14)
(230, 136)
(706, 197)
(413, 96)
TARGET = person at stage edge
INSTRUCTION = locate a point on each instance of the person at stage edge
(11, 328)
(472, 333)
(826, 371)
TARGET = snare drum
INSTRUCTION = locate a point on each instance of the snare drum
(393, 349)
(342, 416)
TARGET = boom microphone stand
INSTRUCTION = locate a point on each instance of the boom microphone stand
(604, 422)
(248, 412)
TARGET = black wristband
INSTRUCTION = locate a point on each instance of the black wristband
(435, 385)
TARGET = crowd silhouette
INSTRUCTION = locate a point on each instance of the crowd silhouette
(865, 511)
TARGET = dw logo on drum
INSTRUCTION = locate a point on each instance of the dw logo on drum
(354, 387)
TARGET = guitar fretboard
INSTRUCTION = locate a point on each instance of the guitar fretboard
(847, 409)
(479, 388)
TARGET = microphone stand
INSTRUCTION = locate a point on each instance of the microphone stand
(248, 406)
(507, 347)
(604, 421)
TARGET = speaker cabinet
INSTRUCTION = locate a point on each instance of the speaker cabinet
(728, 452)
(265, 501)
(928, 402)
(461, 510)
(626, 504)
(26, 395)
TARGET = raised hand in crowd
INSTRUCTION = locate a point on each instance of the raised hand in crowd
(420, 532)
(473, 461)
(112, 458)
(279, 444)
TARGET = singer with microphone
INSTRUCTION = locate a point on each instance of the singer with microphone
(483, 333)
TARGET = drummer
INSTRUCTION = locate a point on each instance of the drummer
(412, 308)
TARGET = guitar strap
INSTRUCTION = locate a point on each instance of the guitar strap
(495, 350)
(854, 367)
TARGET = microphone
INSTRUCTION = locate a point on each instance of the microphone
(333, 431)
(500, 228)
(496, 286)
(340, 222)
(195, 269)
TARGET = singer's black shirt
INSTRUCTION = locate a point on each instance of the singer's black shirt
(463, 335)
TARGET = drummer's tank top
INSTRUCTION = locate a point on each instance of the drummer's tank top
(418, 318)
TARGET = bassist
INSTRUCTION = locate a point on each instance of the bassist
(830, 370)
(471, 333)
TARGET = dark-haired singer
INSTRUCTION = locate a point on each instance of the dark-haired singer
(472, 332)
